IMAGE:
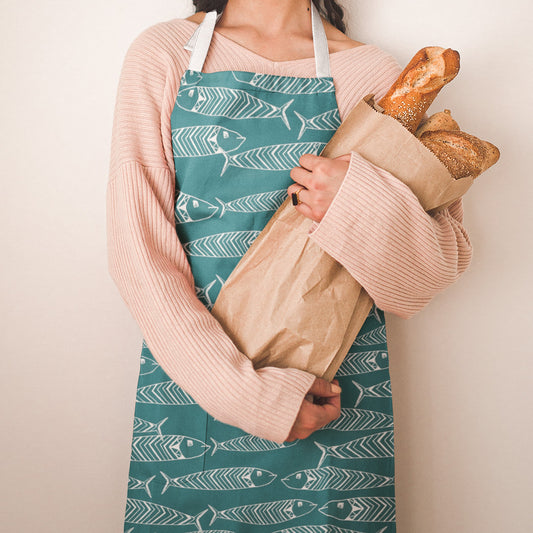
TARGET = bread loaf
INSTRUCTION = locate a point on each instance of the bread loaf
(419, 83)
(462, 154)
(439, 121)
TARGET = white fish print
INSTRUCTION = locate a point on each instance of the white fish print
(147, 362)
(360, 419)
(230, 103)
(142, 512)
(189, 208)
(212, 530)
(249, 443)
(374, 336)
(230, 478)
(146, 427)
(362, 509)
(379, 390)
(266, 512)
(134, 484)
(228, 244)
(198, 141)
(329, 120)
(207, 294)
(164, 393)
(146, 448)
(325, 528)
(191, 77)
(272, 157)
(369, 447)
(288, 84)
(334, 478)
(375, 314)
(363, 362)
(148, 365)
(255, 203)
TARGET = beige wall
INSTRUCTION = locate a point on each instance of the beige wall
(461, 369)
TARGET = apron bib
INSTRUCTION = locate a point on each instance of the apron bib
(235, 137)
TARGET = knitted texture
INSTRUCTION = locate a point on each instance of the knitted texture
(375, 228)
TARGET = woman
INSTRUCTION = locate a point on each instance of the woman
(217, 119)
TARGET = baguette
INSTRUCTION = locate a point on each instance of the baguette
(461, 153)
(439, 121)
(419, 83)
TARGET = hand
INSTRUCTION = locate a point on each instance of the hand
(313, 416)
(322, 178)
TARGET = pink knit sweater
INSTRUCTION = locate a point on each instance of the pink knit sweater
(375, 227)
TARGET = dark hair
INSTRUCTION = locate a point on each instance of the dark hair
(330, 9)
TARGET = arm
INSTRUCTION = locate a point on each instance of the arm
(376, 228)
(151, 271)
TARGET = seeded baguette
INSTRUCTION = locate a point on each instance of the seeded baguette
(439, 121)
(461, 153)
(419, 83)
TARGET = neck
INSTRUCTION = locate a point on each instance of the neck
(268, 17)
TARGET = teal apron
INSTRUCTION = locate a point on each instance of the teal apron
(235, 137)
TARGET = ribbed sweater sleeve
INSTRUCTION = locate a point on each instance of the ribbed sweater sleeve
(377, 229)
(151, 271)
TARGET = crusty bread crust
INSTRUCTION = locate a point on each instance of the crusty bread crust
(462, 154)
(419, 83)
(439, 121)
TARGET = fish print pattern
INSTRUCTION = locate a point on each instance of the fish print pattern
(148, 363)
(231, 478)
(255, 203)
(204, 293)
(164, 393)
(325, 528)
(265, 513)
(359, 419)
(142, 512)
(379, 390)
(137, 484)
(228, 244)
(375, 336)
(370, 447)
(232, 103)
(166, 448)
(272, 157)
(335, 478)
(198, 141)
(249, 443)
(189, 208)
(146, 427)
(329, 120)
(232, 160)
(364, 362)
(363, 509)
(287, 84)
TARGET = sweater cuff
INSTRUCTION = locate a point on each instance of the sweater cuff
(283, 401)
(352, 212)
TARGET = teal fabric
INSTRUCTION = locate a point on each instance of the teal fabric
(236, 135)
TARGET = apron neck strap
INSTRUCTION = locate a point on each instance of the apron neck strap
(200, 41)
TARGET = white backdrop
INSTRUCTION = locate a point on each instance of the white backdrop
(461, 369)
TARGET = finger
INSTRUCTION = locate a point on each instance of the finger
(322, 387)
(309, 161)
(300, 175)
(330, 410)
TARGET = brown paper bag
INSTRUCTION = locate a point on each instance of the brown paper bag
(288, 303)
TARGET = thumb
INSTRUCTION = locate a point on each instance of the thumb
(324, 388)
